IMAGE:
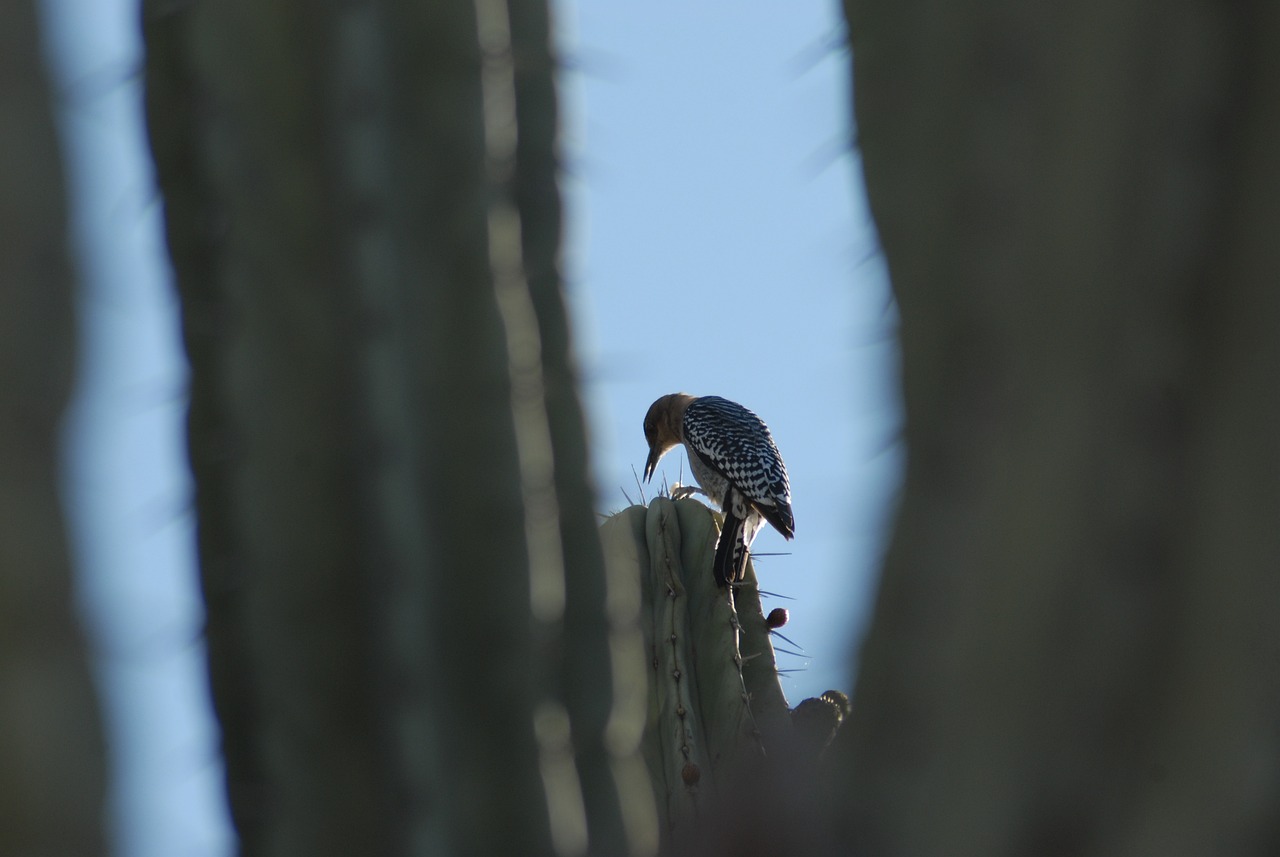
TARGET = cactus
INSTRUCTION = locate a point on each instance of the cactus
(716, 708)
(52, 758)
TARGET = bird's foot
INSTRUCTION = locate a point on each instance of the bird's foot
(682, 492)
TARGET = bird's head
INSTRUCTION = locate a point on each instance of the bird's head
(663, 427)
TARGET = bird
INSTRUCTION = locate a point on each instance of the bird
(736, 463)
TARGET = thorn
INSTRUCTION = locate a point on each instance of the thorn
(639, 485)
(819, 49)
(788, 639)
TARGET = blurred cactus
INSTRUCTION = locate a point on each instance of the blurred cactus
(716, 708)
(388, 449)
(52, 760)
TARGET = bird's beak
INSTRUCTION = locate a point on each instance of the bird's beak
(651, 464)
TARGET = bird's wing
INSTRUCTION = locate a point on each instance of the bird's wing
(737, 444)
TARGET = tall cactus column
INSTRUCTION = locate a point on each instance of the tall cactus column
(716, 708)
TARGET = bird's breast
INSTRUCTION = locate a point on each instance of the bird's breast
(713, 483)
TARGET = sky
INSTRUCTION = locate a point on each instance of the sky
(718, 242)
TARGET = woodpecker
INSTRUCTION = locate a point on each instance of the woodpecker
(734, 459)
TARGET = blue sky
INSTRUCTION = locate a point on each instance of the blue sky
(717, 243)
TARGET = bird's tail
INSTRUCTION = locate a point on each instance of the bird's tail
(730, 562)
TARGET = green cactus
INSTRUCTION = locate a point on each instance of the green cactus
(716, 708)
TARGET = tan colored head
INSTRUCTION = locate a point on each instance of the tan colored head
(662, 427)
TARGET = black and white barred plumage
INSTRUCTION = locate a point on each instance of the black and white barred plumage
(734, 459)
